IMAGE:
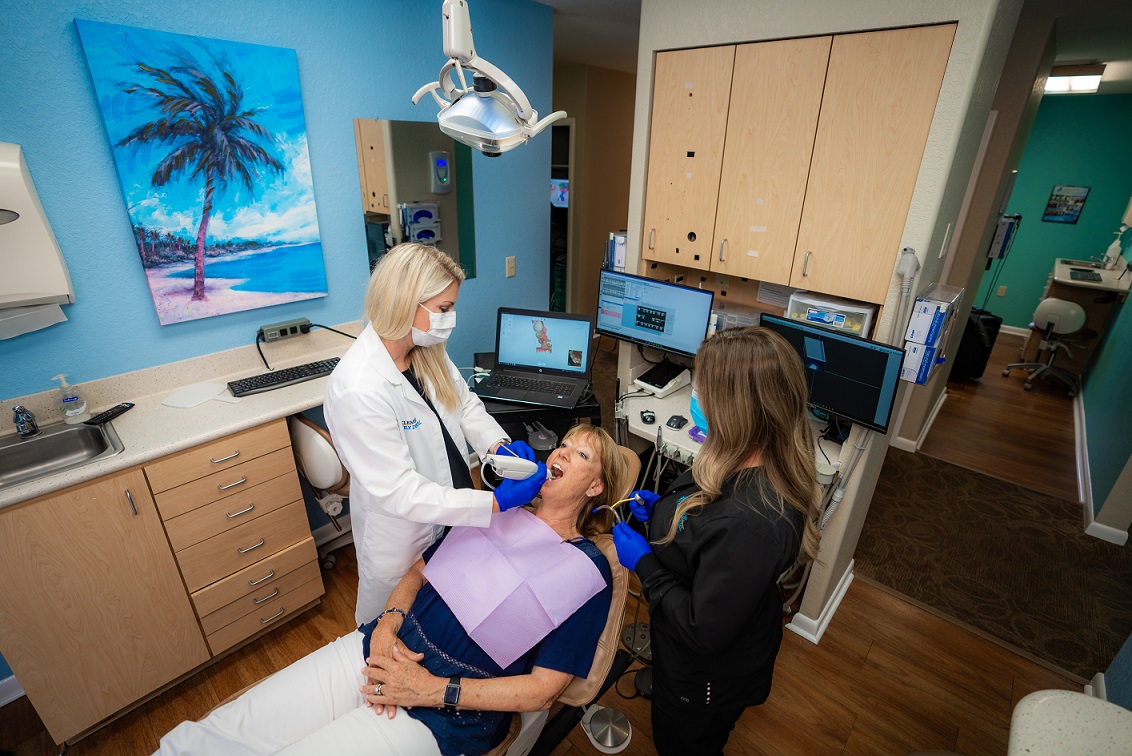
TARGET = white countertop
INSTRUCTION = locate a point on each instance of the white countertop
(1111, 280)
(1067, 722)
(151, 429)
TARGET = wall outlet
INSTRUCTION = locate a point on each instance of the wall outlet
(510, 262)
(1001, 291)
(284, 330)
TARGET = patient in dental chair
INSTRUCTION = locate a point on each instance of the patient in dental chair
(488, 622)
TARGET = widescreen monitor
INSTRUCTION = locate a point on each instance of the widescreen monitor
(847, 375)
(658, 314)
(559, 192)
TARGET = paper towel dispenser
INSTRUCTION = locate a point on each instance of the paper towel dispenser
(35, 280)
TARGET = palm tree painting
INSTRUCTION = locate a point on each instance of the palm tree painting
(209, 141)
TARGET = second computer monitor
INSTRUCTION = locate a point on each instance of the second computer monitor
(657, 314)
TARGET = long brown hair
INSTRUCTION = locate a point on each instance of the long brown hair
(408, 275)
(752, 390)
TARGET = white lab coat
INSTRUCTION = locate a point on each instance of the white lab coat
(401, 492)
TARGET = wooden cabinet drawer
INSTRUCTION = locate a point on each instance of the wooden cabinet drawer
(222, 454)
(219, 485)
(246, 544)
(260, 598)
(277, 611)
(255, 577)
(215, 518)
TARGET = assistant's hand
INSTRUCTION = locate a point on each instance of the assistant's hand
(642, 509)
(630, 544)
(516, 493)
(517, 449)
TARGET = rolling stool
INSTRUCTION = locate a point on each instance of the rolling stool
(1060, 324)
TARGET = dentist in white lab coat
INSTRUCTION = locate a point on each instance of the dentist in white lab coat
(402, 417)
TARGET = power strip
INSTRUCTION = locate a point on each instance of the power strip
(284, 330)
(676, 454)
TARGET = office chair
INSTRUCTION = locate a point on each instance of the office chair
(318, 462)
(1060, 324)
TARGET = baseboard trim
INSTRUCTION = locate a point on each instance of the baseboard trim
(1106, 533)
(1085, 481)
(904, 444)
(811, 629)
(10, 690)
(1014, 330)
(931, 418)
(1096, 688)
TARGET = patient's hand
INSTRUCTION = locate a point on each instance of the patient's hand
(382, 643)
(403, 682)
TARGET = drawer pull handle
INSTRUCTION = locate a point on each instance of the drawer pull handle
(243, 479)
(224, 459)
(250, 548)
(263, 579)
(273, 617)
(266, 598)
(130, 499)
(806, 263)
(242, 511)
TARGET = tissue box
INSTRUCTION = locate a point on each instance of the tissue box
(920, 362)
(932, 315)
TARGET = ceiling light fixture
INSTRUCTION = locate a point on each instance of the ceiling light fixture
(1082, 79)
(493, 115)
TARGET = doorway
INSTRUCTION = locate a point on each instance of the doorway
(563, 196)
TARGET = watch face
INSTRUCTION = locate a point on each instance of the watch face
(452, 694)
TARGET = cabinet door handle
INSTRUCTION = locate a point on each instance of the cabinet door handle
(130, 499)
(224, 459)
(273, 617)
(385, 200)
(250, 548)
(721, 243)
(651, 232)
(806, 262)
(243, 479)
(242, 511)
(263, 579)
(266, 598)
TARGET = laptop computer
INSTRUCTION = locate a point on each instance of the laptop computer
(541, 358)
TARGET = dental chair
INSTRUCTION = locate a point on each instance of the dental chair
(318, 462)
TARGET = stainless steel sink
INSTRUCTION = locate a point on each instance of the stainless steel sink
(1083, 263)
(57, 448)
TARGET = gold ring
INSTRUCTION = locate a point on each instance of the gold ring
(377, 689)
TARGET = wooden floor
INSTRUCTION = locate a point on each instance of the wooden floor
(887, 678)
(995, 427)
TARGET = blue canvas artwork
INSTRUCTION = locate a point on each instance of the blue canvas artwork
(210, 145)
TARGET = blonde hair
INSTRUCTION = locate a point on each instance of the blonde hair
(407, 276)
(752, 390)
(614, 477)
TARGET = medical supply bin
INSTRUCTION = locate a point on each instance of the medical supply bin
(832, 312)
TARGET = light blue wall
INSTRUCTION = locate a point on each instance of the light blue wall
(1118, 677)
(357, 58)
(1079, 140)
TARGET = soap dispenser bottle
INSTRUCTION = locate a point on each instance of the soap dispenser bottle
(71, 402)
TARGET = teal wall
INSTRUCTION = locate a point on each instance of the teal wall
(1079, 140)
(1118, 677)
(1108, 406)
(357, 58)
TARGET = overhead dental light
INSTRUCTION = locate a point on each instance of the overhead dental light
(493, 115)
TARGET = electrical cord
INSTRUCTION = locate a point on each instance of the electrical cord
(328, 328)
(258, 340)
(641, 352)
(820, 439)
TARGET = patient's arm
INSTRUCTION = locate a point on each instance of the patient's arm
(385, 634)
(406, 683)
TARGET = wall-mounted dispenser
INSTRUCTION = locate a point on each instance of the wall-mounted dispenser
(440, 169)
(35, 280)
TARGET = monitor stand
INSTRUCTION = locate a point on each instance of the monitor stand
(664, 378)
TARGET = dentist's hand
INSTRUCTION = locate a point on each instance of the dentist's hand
(516, 493)
(517, 449)
(641, 503)
(630, 544)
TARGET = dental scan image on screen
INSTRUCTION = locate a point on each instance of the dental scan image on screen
(544, 342)
(654, 313)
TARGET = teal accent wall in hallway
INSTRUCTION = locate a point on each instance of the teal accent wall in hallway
(1108, 406)
(1078, 140)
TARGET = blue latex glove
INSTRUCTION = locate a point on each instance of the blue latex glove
(517, 449)
(630, 544)
(642, 509)
(516, 493)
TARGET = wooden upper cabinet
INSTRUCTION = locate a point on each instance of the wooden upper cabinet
(93, 614)
(775, 99)
(880, 96)
(372, 166)
(689, 123)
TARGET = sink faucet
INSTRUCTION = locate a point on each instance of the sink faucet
(26, 426)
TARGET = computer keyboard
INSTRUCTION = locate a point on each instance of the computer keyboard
(529, 384)
(284, 377)
(1084, 275)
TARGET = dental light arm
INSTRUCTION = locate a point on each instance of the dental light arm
(493, 115)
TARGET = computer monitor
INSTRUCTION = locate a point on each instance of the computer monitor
(658, 314)
(848, 376)
(560, 192)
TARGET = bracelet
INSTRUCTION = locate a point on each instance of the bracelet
(391, 611)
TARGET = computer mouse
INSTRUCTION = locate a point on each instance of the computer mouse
(677, 422)
(648, 417)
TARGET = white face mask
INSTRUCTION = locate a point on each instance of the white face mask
(440, 325)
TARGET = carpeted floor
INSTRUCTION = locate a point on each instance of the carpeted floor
(1011, 562)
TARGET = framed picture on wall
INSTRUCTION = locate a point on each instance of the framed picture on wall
(1065, 203)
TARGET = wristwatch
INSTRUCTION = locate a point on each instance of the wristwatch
(452, 692)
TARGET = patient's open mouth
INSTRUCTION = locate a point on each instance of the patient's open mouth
(555, 472)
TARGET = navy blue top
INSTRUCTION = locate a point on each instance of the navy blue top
(432, 629)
